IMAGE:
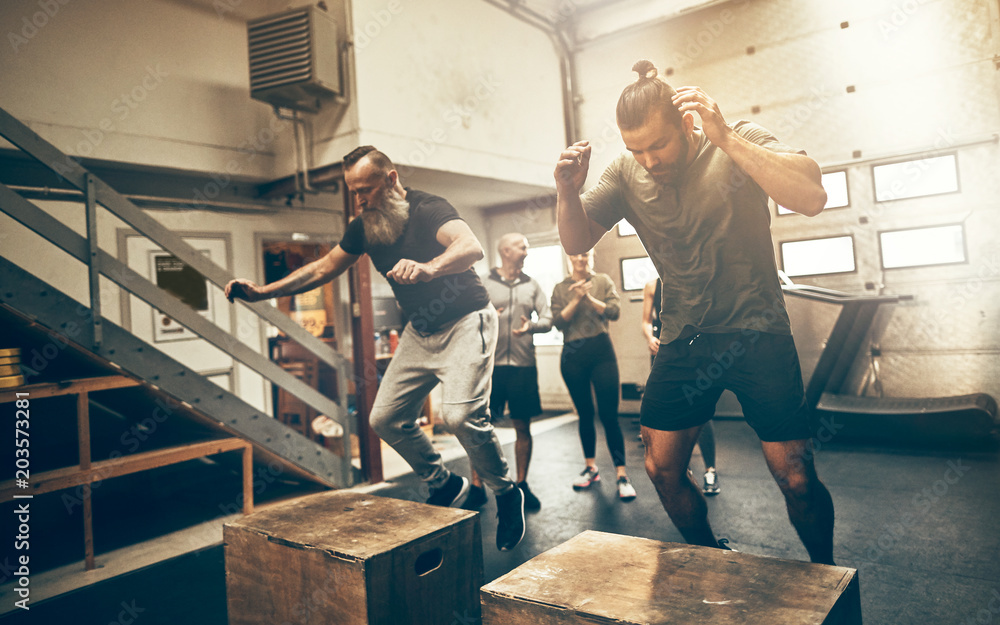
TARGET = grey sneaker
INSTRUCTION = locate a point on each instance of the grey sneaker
(587, 479)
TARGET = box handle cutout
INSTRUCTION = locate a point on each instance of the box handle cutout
(428, 561)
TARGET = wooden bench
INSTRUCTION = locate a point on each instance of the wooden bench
(87, 472)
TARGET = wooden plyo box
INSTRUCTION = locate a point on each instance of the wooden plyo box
(606, 578)
(349, 558)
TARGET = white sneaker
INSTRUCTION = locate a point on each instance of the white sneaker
(626, 492)
(711, 486)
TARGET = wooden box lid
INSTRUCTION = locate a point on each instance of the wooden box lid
(350, 524)
(624, 579)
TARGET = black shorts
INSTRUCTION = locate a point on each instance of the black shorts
(761, 369)
(516, 387)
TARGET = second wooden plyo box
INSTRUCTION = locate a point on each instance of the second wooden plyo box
(596, 577)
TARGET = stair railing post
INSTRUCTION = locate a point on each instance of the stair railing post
(93, 261)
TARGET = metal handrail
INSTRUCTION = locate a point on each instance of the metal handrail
(831, 296)
(96, 191)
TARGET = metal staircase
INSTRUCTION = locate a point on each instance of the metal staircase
(28, 297)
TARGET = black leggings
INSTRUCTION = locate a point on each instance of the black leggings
(592, 362)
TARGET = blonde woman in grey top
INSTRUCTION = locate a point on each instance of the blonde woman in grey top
(582, 305)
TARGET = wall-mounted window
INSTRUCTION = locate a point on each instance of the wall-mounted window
(625, 228)
(921, 247)
(636, 272)
(835, 183)
(813, 257)
(916, 178)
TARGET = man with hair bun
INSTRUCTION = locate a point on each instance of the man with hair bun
(698, 200)
(426, 251)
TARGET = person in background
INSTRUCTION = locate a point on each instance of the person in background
(698, 199)
(426, 252)
(582, 306)
(518, 299)
(651, 295)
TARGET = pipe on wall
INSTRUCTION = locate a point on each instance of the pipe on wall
(567, 62)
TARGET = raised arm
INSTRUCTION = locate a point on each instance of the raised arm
(462, 250)
(301, 280)
(577, 232)
(792, 180)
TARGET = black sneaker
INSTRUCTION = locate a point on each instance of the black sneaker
(510, 519)
(451, 494)
(531, 503)
(476, 499)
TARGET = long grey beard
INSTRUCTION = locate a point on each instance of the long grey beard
(386, 224)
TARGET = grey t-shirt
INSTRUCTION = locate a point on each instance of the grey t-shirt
(708, 238)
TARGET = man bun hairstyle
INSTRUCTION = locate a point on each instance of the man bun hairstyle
(375, 157)
(647, 95)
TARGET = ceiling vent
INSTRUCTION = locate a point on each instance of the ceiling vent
(294, 59)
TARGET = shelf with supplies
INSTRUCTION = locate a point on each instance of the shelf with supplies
(291, 410)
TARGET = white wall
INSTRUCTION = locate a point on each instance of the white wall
(847, 81)
(458, 86)
(156, 82)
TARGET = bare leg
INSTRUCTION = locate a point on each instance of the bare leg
(667, 458)
(522, 447)
(810, 507)
(706, 443)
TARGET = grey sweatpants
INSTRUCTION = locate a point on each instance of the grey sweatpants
(460, 357)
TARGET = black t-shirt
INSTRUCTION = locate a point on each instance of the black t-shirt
(426, 305)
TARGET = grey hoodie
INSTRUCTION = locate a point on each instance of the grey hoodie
(513, 299)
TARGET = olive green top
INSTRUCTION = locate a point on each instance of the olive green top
(586, 322)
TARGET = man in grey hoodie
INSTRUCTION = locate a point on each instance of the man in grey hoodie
(515, 377)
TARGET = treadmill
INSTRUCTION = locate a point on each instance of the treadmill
(963, 421)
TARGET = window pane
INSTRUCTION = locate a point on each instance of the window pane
(546, 265)
(636, 272)
(923, 246)
(625, 228)
(929, 176)
(835, 184)
(818, 256)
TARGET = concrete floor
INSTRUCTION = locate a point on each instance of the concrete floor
(924, 537)
(924, 540)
